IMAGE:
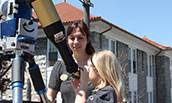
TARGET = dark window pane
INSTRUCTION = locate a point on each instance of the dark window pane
(129, 58)
(113, 46)
(106, 44)
(52, 58)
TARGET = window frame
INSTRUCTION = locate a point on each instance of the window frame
(133, 59)
(150, 97)
(133, 97)
(150, 65)
(108, 46)
(51, 49)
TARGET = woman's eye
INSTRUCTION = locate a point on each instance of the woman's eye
(72, 39)
(80, 38)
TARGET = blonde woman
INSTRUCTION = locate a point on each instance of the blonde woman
(104, 71)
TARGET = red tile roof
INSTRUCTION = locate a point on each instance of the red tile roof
(68, 13)
(156, 44)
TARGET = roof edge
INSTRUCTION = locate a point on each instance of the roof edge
(131, 34)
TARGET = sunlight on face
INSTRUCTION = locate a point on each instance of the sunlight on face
(77, 41)
(93, 74)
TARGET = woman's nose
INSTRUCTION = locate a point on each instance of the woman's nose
(76, 40)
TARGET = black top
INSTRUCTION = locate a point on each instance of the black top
(65, 87)
(104, 95)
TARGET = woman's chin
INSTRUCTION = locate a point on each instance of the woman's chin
(77, 51)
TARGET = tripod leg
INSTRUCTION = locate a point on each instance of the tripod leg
(17, 79)
(37, 80)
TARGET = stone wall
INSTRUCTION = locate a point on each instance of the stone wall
(142, 73)
(40, 59)
(95, 40)
(122, 55)
(163, 80)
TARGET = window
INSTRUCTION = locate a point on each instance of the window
(150, 66)
(106, 43)
(129, 58)
(110, 45)
(132, 58)
(134, 61)
(150, 97)
(113, 46)
(52, 54)
(133, 98)
(130, 97)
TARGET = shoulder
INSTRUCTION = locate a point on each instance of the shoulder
(59, 65)
(58, 69)
(106, 91)
(104, 95)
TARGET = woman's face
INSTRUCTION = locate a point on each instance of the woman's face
(77, 41)
(93, 74)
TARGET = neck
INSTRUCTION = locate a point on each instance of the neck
(81, 59)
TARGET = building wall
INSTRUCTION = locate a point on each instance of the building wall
(142, 72)
(122, 54)
(163, 80)
(95, 40)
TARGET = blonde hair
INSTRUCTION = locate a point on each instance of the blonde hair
(109, 70)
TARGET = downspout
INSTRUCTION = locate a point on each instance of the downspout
(156, 74)
(100, 36)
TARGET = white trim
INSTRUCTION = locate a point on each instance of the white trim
(54, 49)
(149, 65)
(49, 69)
(134, 97)
(110, 40)
(47, 64)
(167, 53)
(132, 59)
(150, 97)
(124, 37)
(149, 84)
(133, 78)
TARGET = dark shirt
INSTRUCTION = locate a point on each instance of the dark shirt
(65, 87)
(104, 95)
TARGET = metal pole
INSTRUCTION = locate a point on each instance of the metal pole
(28, 90)
(86, 5)
(17, 78)
(87, 13)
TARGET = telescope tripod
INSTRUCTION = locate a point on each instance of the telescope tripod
(19, 58)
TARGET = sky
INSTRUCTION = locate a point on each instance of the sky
(150, 18)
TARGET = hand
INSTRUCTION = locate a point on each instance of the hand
(81, 84)
(80, 88)
(75, 84)
(84, 75)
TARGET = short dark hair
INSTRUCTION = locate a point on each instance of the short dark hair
(84, 29)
